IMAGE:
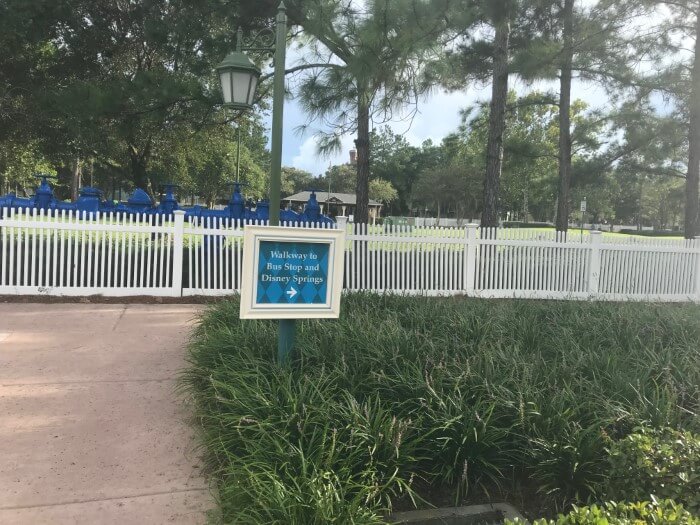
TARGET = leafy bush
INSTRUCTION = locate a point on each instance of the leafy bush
(661, 462)
(664, 512)
(521, 224)
(405, 400)
(653, 233)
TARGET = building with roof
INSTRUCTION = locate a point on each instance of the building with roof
(334, 204)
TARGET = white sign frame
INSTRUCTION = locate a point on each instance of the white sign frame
(253, 235)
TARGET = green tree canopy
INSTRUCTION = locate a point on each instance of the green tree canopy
(295, 180)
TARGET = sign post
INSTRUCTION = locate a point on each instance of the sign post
(583, 212)
(291, 273)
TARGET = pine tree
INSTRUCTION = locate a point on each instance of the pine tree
(681, 39)
(481, 30)
(497, 116)
(568, 40)
(368, 68)
(692, 206)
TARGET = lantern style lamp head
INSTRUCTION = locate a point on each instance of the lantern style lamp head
(239, 79)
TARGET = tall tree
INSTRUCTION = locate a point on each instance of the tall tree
(565, 75)
(111, 81)
(295, 180)
(530, 143)
(481, 31)
(368, 58)
(675, 44)
(567, 41)
(398, 162)
(692, 204)
(19, 161)
(500, 16)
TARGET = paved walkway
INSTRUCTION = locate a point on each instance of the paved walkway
(91, 430)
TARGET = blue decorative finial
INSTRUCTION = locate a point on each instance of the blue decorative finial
(312, 211)
(236, 203)
(168, 203)
(44, 193)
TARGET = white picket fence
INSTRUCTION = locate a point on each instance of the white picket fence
(106, 254)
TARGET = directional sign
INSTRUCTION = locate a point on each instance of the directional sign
(291, 273)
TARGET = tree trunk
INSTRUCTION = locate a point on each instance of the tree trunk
(138, 161)
(362, 145)
(639, 203)
(75, 179)
(692, 205)
(138, 172)
(565, 119)
(497, 124)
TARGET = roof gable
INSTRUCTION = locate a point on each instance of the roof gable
(322, 197)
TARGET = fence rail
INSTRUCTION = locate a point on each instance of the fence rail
(91, 253)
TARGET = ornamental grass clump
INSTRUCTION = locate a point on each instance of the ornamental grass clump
(407, 402)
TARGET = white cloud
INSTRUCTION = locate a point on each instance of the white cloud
(310, 160)
(438, 115)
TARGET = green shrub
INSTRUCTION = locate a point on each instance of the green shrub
(664, 463)
(653, 233)
(664, 512)
(405, 400)
(521, 224)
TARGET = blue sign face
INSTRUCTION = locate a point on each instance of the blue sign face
(292, 272)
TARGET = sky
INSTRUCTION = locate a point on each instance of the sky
(438, 115)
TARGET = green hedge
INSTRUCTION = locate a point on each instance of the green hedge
(661, 462)
(653, 233)
(520, 224)
(664, 512)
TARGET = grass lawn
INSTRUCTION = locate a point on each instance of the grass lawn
(403, 231)
(575, 233)
(412, 402)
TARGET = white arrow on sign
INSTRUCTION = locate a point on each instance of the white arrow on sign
(291, 293)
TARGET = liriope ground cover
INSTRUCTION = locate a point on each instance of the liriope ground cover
(407, 402)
